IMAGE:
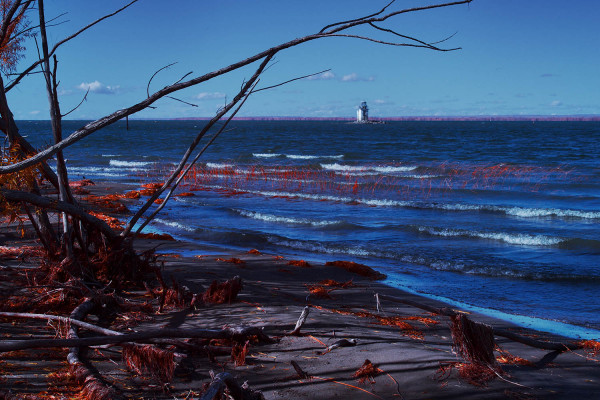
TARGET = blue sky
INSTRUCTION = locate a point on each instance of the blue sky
(518, 57)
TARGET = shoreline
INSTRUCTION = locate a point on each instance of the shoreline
(409, 346)
(548, 326)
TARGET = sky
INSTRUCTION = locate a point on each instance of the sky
(517, 57)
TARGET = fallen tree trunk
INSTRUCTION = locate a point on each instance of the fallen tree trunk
(237, 392)
(66, 320)
(93, 387)
(238, 333)
(539, 344)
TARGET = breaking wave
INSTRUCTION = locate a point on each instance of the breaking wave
(510, 238)
(285, 220)
(117, 163)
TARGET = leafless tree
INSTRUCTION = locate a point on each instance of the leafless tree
(21, 163)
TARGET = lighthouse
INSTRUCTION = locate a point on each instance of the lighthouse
(362, 114)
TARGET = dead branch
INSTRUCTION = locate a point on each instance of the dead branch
(241, 95)
(73, 210)
(66, 320)
(189, 166)
(539, 344)
(237, 392)
(118, 115)
(300, 322)
(93, 387)
(57, 45)
(301, 373)
(235, 333)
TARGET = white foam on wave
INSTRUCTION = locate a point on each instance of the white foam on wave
(218, 165)
(117, 163)
(551, 212)
(174, 224)
(320, 248)
(311, 157)
(265, 155)
(522, 239)
(286, 220)
(386, 169)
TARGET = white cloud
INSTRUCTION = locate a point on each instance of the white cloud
(556, 103)
(97, 87)
(379, 101)
(209, 96)
(34, 112)
(354, 77)
(327, 75)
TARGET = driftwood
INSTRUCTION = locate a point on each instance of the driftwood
(93, 387)
(301, 373)
(237, 392)
(66, 320)
(539, 344)
(237, 333)
(300, 322)
(340, 343)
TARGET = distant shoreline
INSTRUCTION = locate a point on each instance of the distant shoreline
(484, 118)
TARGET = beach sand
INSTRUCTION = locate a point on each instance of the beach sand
(273, 296)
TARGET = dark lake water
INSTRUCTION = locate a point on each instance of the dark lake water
(499, 215)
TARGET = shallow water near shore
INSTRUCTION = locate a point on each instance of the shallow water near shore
(499, 216)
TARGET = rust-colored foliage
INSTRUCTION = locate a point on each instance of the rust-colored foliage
(110, 202)
(155, 186)
(232, 260)
(359, 269)
(13, 253)
(113, 222)
(367, 372)
(133, 194)
(93, 388)
(81, 183)
(185, 194)
(473, 341)
(299, 263)
(400, 322)
(11, 47)
(591, 346)
(159, 201)
(336, 284)
(239, 353)
(255, 252)
(476, 374)
(150, 360)
(225, 292)
(506, 358)
(320, 291)
(155, 236)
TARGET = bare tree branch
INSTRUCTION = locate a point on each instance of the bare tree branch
(73, 210)
(154, 74)
(430, 45)
(116, 116)
(78, 105)
(423, 46)
(57, 45)
(357, 19)
(189, 166)
(291, 80)
(196, 141)
(182, 101)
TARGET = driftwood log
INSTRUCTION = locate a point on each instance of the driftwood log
(539, 344)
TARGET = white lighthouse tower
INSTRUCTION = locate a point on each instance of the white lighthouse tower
(362, 114)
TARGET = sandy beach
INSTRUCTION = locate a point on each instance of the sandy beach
(410, 348)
